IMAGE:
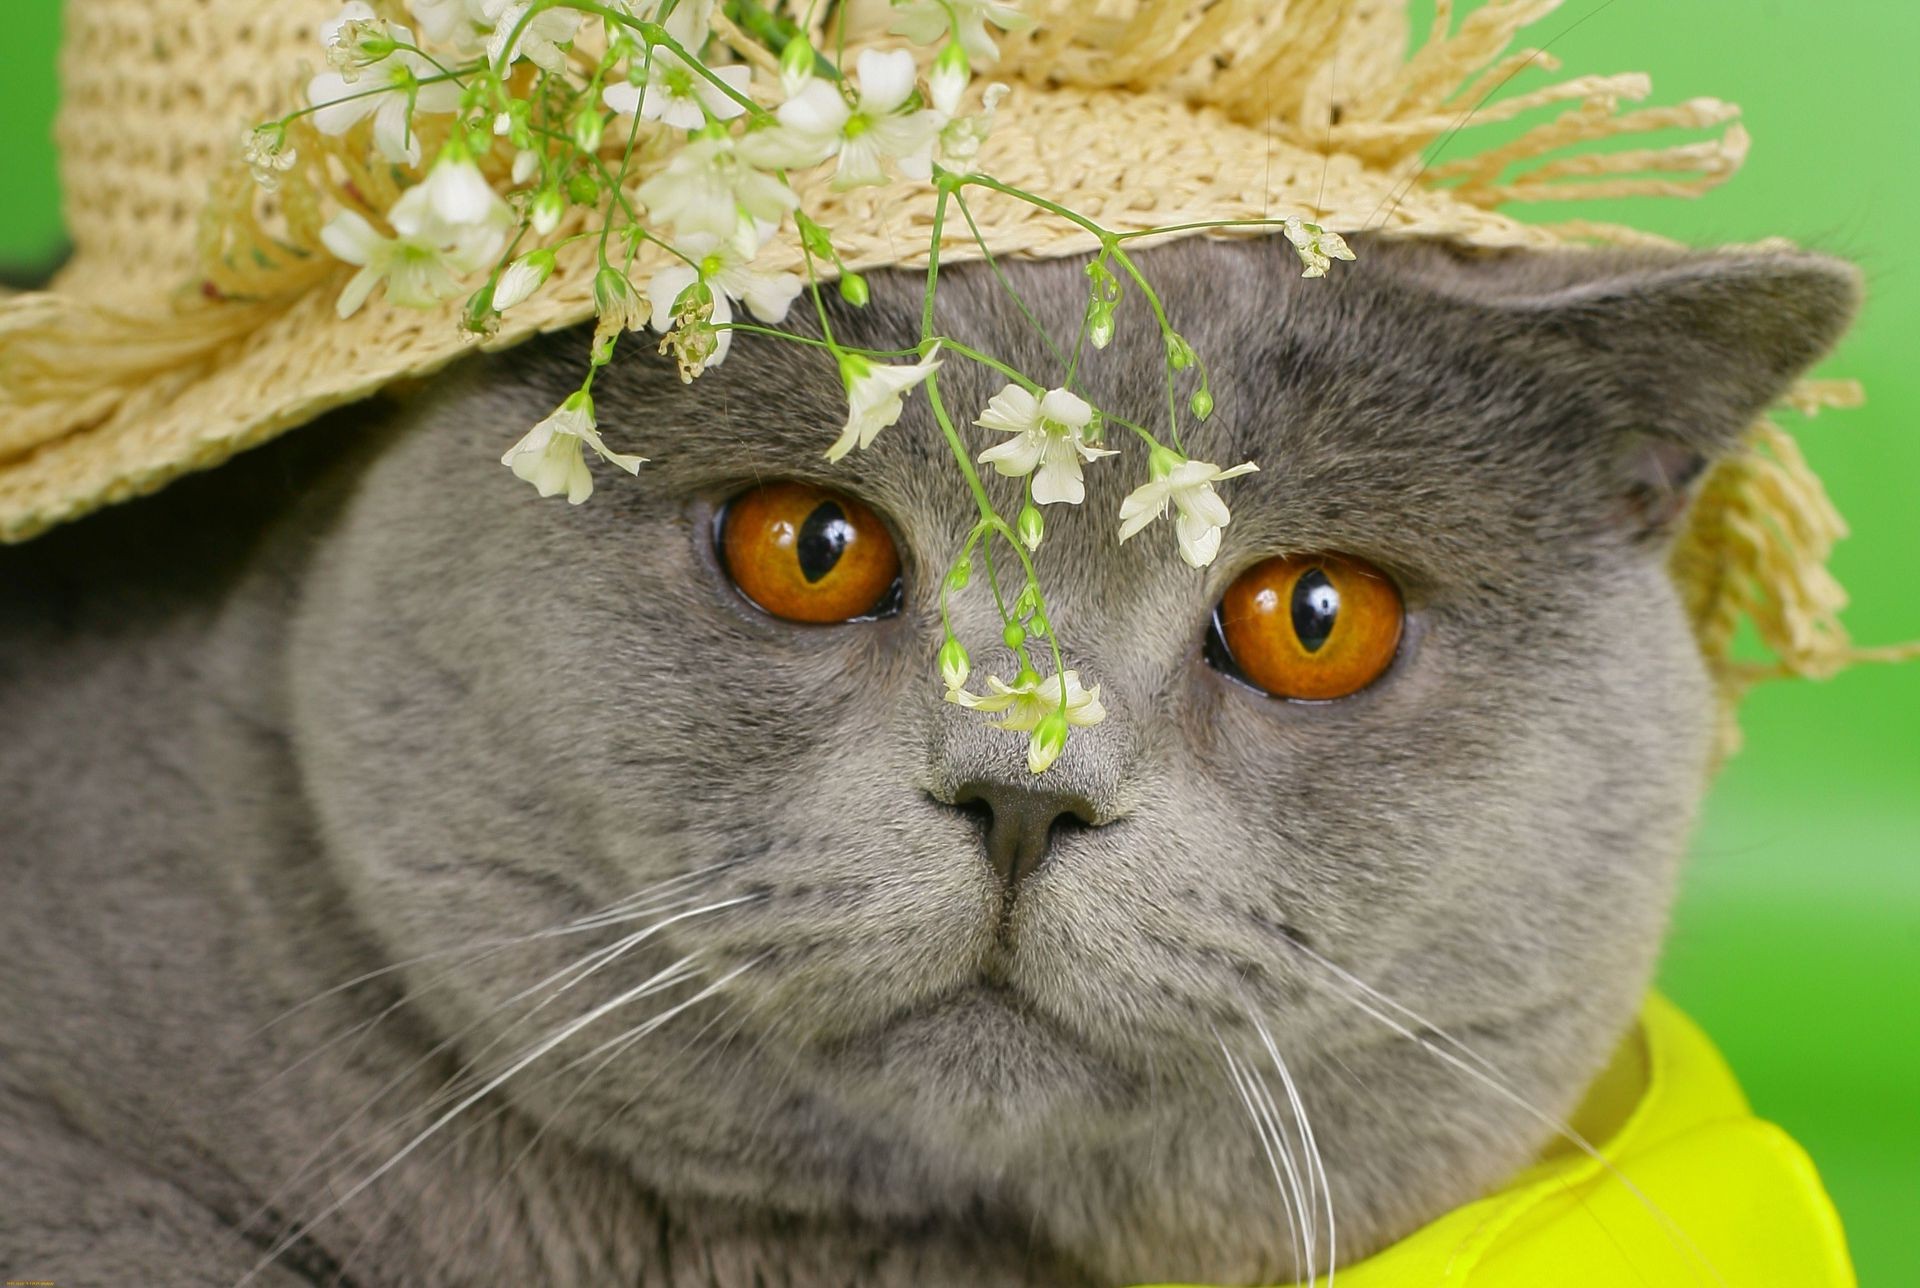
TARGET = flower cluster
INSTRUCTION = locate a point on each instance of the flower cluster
(640, 130)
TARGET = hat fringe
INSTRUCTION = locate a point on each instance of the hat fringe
(1756, 550)
(1280, 66)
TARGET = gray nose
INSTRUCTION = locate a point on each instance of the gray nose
(1020, 822)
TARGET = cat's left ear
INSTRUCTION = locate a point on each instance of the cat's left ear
(1681, 353)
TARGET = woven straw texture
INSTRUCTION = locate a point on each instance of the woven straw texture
(197, 317)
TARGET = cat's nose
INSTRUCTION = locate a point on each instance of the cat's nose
(1020, 822)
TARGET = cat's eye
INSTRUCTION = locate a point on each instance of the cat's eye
(1310, 627)
(808, 554)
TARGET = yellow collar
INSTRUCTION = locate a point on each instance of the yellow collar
(1745, 1194)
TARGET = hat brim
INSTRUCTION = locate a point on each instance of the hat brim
(1129, 161)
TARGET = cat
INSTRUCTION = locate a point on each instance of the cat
(321, 770)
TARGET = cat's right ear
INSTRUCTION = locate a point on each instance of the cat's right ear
(1677, 354)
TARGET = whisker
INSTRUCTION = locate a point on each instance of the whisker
(672, 975)
(1261, 1126)
(478, 954)
(1310, 1149)
(592, 921)
(452, 1088)
(625, 1041)
(1484, 1072)
(1301, 1192)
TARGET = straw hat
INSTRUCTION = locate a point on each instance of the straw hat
(197, 317)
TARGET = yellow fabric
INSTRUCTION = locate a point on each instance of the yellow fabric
(1747, 1197)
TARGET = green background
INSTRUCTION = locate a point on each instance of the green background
(1797, 939)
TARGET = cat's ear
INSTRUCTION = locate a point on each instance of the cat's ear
(1680, 354)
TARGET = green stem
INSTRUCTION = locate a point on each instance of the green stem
(808, 340)
(311, 108)
(981, 500)
(950, 345)
(993, 263)
(650, 33)
(1198, 226)
(444, 69)
(946, 585)
(1109, 242)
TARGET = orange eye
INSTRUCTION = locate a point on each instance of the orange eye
(1311, 627)
(809, 555)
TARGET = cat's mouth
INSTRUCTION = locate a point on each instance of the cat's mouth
(982, 1053)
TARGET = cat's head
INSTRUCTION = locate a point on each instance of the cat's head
(514, 713)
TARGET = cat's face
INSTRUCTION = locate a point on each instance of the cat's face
(514, 713)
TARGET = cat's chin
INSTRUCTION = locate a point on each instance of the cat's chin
(979, 1063)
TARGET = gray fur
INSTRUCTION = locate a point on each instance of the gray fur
(359, 698)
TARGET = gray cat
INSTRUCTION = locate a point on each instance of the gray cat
(408, 881)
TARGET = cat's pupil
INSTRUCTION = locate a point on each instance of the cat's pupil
(1315, 606)
(824, 537)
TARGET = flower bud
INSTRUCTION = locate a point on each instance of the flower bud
(1030, 526)
(522, 278)
(1180, 354)
(1013, 635)
(587, 130)
(1048, 740)
(582, 189)
(481, 317)
(853, 289)
(616, 303)
(960, 574)
(1201, 403)
(948, 80)
(796, 65)
(1039, 625)
(817, 240)
(548, 206)
(1100, 326)
(955, 666)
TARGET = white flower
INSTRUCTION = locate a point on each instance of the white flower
(551, 457)
(726, 265)
(925, 21)
(540, 41)
(422, 264)
(357, 39)
(380, 90)
(1032, 705)
(677, 94)
(961, 137)
(456, 192)
(454, 25)
(708, 186)
(267, 155)
(874, 391)
(817, 123)
(1050, 435)
(1189, 486)
(1316, 246)
(526, 164)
